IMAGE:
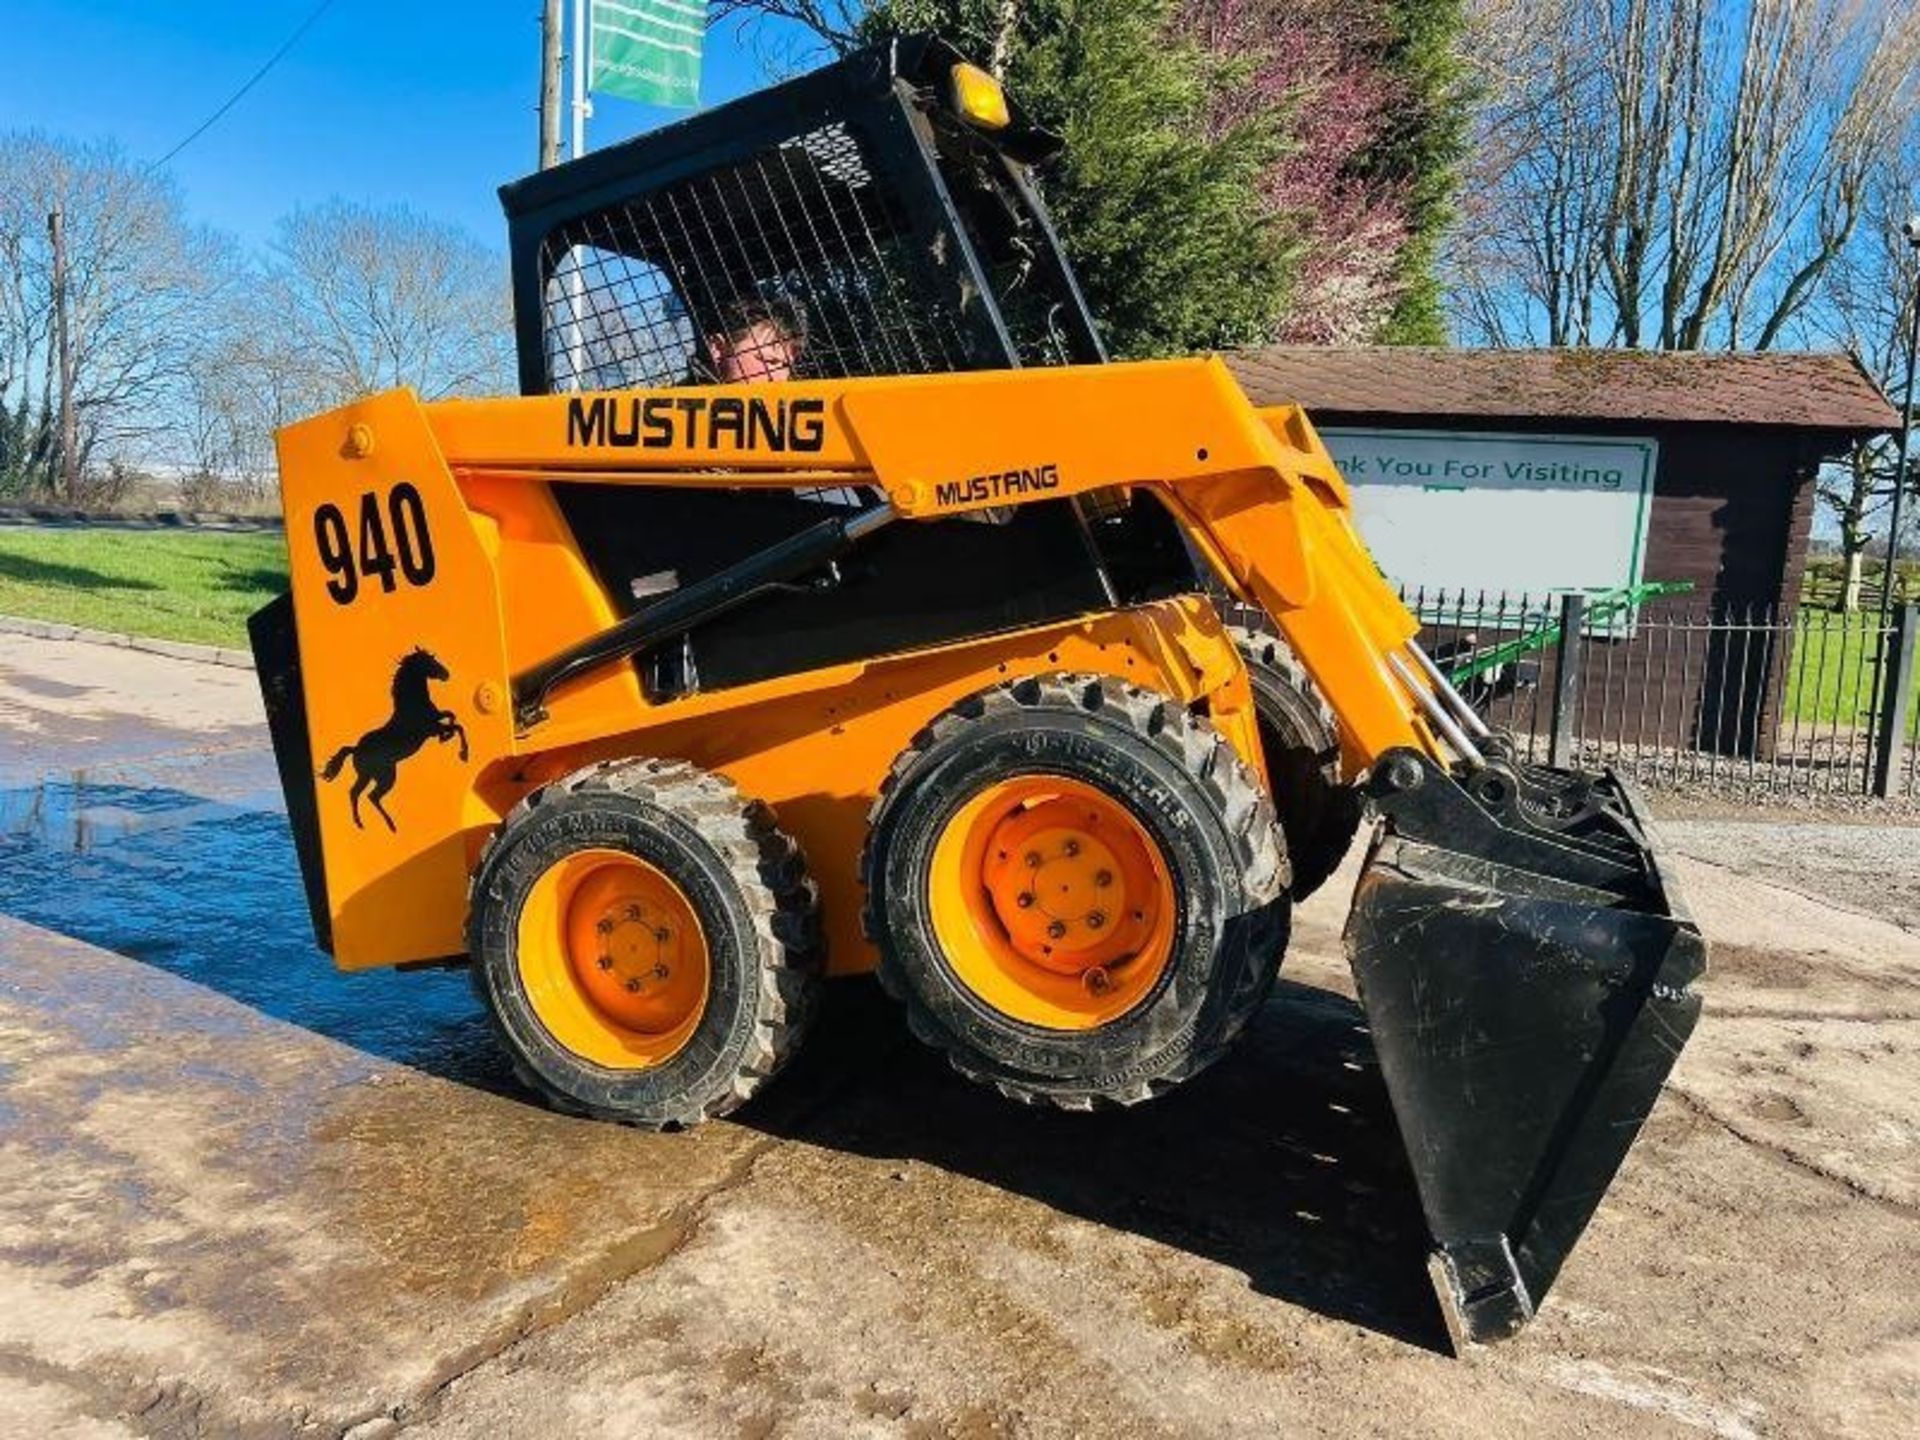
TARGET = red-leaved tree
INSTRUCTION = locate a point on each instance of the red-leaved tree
(1320, 61)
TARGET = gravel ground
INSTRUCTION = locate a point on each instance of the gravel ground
(1868, 866)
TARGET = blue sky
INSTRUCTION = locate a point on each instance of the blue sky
(383, 100)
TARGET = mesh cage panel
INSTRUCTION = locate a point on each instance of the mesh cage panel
(792, 264)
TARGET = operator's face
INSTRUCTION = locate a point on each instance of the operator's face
(763, 353)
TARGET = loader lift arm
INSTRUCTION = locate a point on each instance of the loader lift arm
(1254, 491)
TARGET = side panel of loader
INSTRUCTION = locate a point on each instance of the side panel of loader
(398, 618)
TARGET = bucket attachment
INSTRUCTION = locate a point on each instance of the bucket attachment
(1525, 971)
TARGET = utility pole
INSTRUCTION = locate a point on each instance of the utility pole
(63, 346)
(552, 13)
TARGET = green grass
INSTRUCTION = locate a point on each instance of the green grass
(173, 585)
(1832, 673)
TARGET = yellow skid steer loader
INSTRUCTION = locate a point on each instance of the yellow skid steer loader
(829, 605)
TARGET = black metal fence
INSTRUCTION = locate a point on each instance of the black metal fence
(1681, 693)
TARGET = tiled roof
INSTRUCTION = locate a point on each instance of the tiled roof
(1807, 391)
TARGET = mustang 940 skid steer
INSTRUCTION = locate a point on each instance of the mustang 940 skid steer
(829, 604)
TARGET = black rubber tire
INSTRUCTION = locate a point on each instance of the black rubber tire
(1301, 739)
(1205, 810)
(746, 880)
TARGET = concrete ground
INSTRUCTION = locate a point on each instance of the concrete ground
(243, 1195)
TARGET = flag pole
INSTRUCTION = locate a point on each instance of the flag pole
(576, 291)
(582, 106)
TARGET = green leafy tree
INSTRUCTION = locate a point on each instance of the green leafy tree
(1420, 150)
(1162, 212)
(1240, 170)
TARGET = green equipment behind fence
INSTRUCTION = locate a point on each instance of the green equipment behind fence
(1601, 609)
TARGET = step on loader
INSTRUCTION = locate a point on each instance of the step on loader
(829, 604)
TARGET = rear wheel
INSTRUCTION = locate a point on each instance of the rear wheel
(644, 940)
(1301, 738)
(1077, 889)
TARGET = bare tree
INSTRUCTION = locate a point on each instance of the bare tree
(141, 284)
(1868, 310)
(802, 33)
(248, 384)
(1674, 173)
(359, 299)
(835, 21)
(805, 29)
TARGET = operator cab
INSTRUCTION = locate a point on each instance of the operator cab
(876, 217)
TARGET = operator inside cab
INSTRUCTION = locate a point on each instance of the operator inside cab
(760, 342)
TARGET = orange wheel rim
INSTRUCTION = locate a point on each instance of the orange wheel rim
(1051, 903)
(614, 960)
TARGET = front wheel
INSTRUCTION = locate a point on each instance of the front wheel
(1301, 739)
(644, 940)
(1077, 889)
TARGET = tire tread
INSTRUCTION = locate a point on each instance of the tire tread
(769, 871)
(1316, 856)
(1248, 822)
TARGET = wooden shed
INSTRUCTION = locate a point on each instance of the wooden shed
(1732, 444)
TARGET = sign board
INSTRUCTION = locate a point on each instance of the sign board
(1535, 515)
(649, 50)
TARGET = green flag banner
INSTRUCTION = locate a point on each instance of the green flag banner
(648, 50)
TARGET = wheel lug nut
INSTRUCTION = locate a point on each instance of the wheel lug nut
(605, 962)
(1103, 879)
(633, 987)
(605, 927)
(1033, 859)
(633, 912)
(1057, 929)
(663, 934)
(1071, 848)
(660, 972)
(1097, 981)
(1096, 919)
(1024, 899)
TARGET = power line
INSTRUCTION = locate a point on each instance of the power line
(252, 80)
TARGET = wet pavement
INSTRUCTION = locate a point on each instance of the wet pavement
(156, 829)
(122, 855)
(234, 1176)
(241, 1193)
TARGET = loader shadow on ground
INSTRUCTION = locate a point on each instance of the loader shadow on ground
(1282, 1162)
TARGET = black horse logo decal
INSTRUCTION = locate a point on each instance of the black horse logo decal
(416, 719)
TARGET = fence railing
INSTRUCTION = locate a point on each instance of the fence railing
(1679, 692)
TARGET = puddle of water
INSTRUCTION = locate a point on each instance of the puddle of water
(210, 890)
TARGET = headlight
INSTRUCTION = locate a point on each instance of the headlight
(980, 97)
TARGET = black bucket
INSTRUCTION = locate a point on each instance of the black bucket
(1525, 970)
